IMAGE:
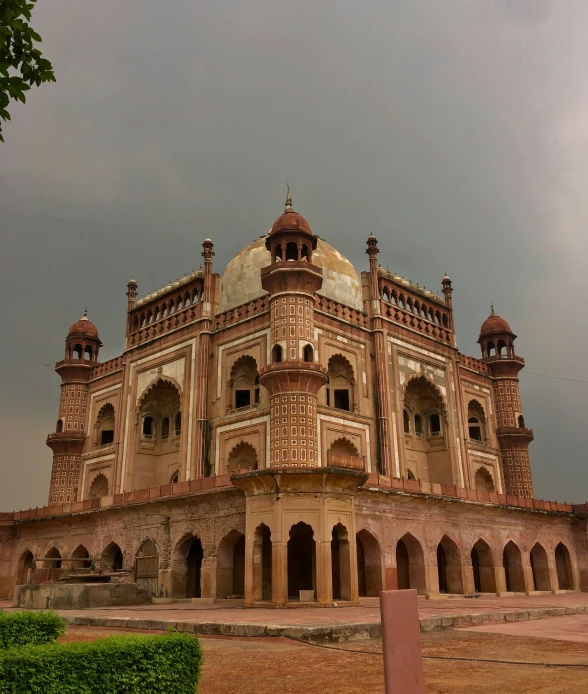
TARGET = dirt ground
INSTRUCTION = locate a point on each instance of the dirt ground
(280, 666)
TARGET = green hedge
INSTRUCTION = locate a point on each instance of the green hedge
(29, 628)
(129, 664)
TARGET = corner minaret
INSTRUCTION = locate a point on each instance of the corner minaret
(496, 341)
(294, 376)
(82, 345)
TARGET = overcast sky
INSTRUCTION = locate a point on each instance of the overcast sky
(454, 130)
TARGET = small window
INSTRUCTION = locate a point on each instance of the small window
(175, 477)
(521, 421)
(277, 354)
(178, 424)
(59, 427)
(435, 423)
(342, 399)
(418, 425)
(165, 428)
(106, 437)
(474, 429)
(148, 428)
(406, 420)
(242, 398)
(410, 475)
(291, 251)
(308, 353)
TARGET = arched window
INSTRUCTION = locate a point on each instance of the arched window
(490, 349)
(521, 421)
(78, 352)
(88, 353)
(277, 354)
(418, 425)
(243, 457)
(174, 479)
(476, 421)
(500, 347)
(178, 424)
(340, 383)
(99, 487)
(244, 383)
(308, 353)
(406, 421)
(278, 253)
(435, 424)
(410, 475)
(305, 254)
(148, 427)
(165, 428)
(484, 481)
(105, 425)
(291, 251)
(59, 427)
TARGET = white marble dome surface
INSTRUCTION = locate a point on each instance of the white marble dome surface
(241, 279)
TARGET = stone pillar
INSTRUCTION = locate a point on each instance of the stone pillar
(467, 576)
(253, 569)
(279, 572)
(164, 584)
(431, 581)
(528, 578)
(324, 575)
(208, 577)
(500, 578)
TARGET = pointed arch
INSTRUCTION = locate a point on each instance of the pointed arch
(369, 564)
(340, 388)
(81, 558)
(483, 567)
(343, 446)
(159, 379)
(98, 487)
(563, 565)
(111, 557)
(410, 564)
(25, 567)
(230, 572)
(187, 566)
(540, 567)
(449, 566)
(243, 456)
(244, 383)
(429, 381)
(483, 480)
(512, 563)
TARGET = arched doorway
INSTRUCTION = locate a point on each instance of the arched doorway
(25, 566)
(449, 567)
(112, 558)
(410, 564)
(194, 566)
(230, 572)
(262, 564)
(483, 568)
(52, 559)
(540, 568)
(563, 565)
(81, 558)
(301, 561)
(369, 565)
(340, 563)
(147, 567)
(512, 562)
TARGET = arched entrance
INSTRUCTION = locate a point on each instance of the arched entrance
(147, 567)
(25, 566)
(341, 563)
(449, 567)
(187, 568)
(410, 564)
(230, 572)
(483, 568)
(262, 564)
(563, 565)
(52, 559)
(369, 566)
(512, 562)
(81, 558)
(112, 558)
(301, 561)
(194, 566)
(540, 568)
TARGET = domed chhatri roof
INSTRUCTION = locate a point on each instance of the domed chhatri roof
(85, 326)
(494, 324)
(290, 220)
(241, 280)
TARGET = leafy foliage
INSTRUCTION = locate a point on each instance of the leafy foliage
(130, 664)
(21, 64)
(34, 628)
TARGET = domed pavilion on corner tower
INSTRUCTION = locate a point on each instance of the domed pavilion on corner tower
(290, 430)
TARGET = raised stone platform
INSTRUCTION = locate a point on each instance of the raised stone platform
(327, 624)
(79, 596)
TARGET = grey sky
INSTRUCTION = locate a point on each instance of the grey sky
(454, 130)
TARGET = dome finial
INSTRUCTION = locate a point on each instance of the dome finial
(492, 312)
(85, 316)
(288, 206)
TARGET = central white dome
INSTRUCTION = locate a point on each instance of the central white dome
(241, 280)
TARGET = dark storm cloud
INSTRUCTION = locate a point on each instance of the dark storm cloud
(455, 131)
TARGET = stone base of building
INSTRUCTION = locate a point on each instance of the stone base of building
(77, 596)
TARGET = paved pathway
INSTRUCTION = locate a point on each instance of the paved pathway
(567, 628)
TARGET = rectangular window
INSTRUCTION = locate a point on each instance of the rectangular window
(342, 399)
(242, 398)
(106, 437)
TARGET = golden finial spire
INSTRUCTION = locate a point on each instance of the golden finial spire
(288, 206)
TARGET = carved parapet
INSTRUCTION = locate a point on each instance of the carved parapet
(515, 432)
(293, 480)
(292, 276)
(288, 376)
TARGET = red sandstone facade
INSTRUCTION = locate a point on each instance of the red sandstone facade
(289, 426)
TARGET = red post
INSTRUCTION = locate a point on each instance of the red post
(401, 642)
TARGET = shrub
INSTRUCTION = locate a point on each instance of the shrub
(129, 664)
(35, 628)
